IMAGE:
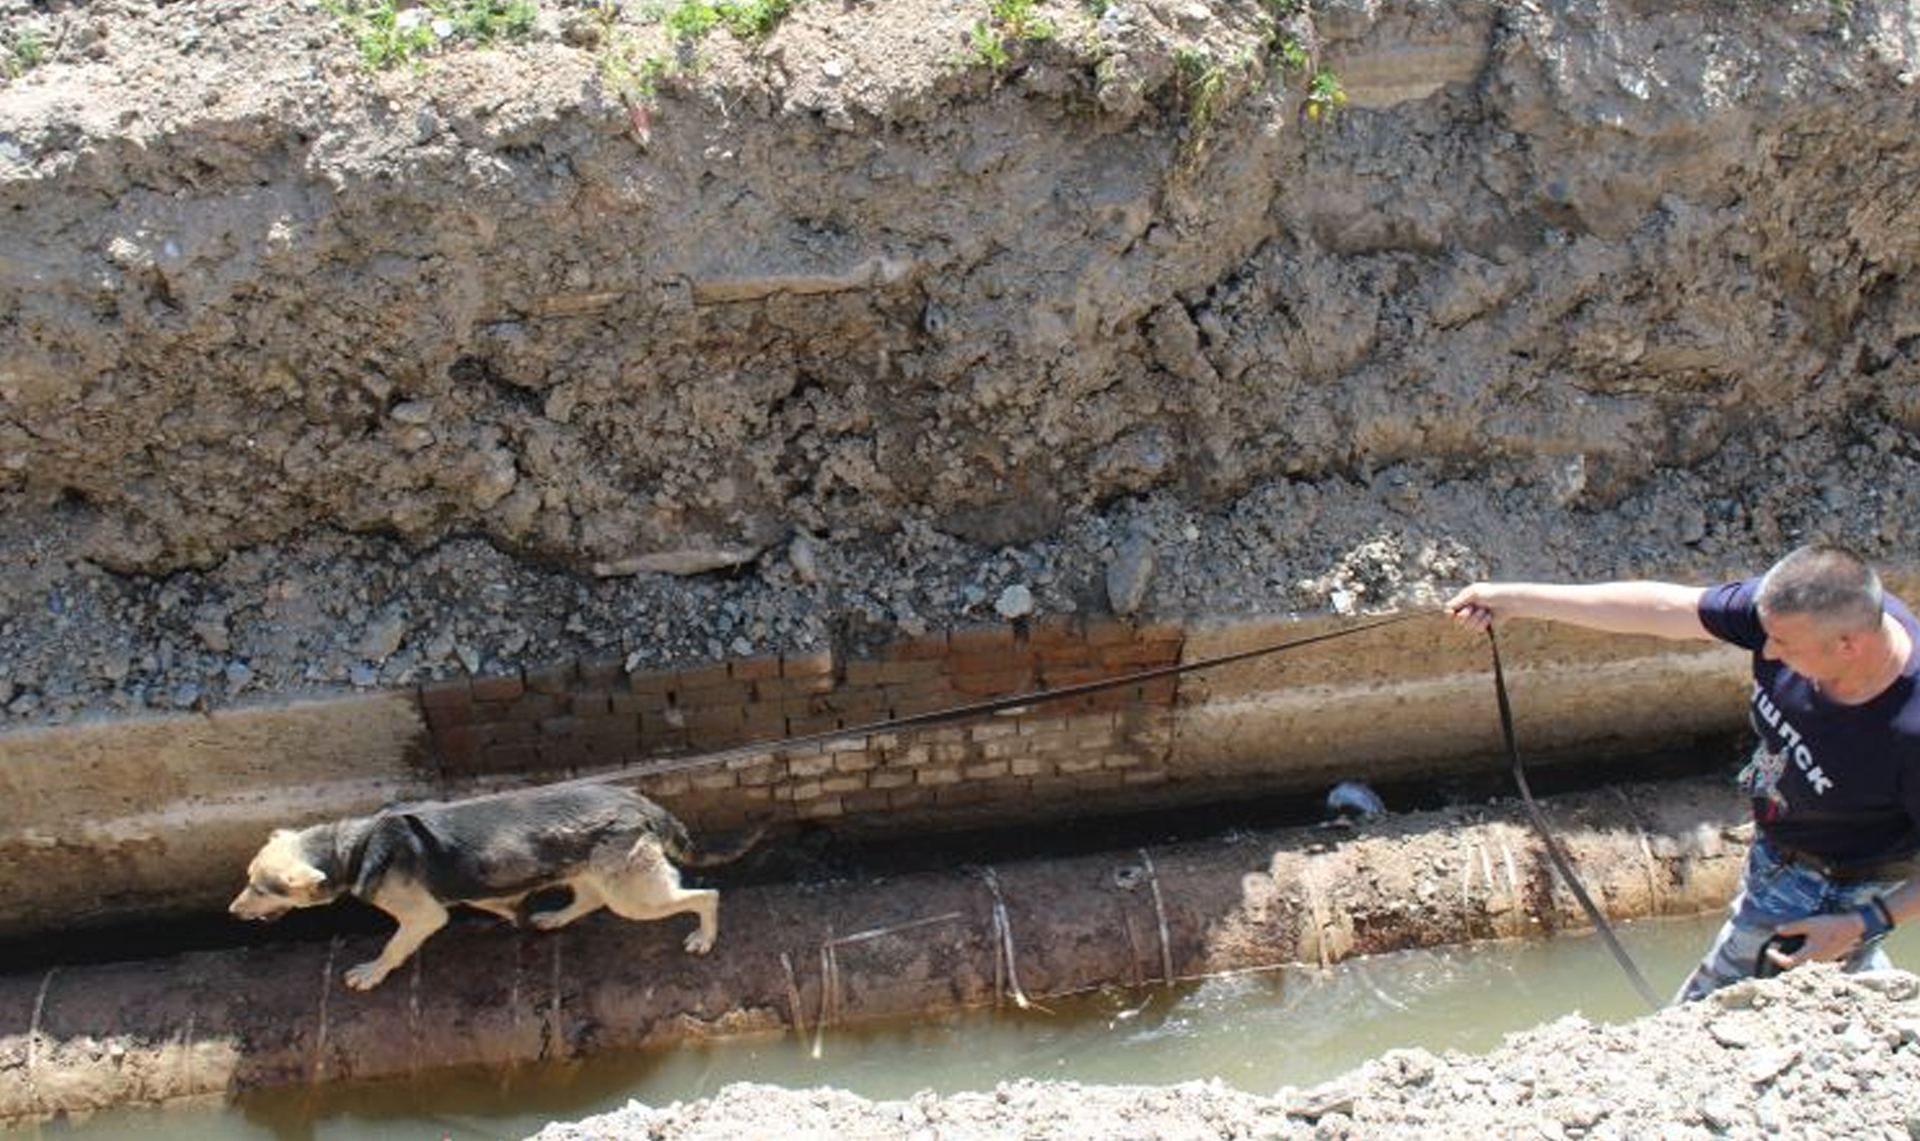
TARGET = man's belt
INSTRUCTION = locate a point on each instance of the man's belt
(1898, 869)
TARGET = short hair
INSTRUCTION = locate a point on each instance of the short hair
(1825, 582)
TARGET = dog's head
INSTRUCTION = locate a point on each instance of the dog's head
(280, 879)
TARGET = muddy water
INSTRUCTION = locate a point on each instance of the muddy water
(1257, 1032)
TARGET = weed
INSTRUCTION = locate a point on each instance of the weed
(1293, 54)
(387, 36)
(692, 20)
(1325, 95)
(753, 19)
(20, 53)
(1203, 88)
(1008, 22)
(634, 77)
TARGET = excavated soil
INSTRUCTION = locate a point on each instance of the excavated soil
(1813, 1054)
(316, 377)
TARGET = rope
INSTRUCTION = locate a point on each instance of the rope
(954, 713)
(1560, 862)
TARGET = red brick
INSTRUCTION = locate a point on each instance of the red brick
(728, 694)
(653, 682)
(506, 733)
(980, 639)
(994, 661)
(508, 759)
(804, 725)
(927, 647)
(1172, 632)
(447, 697)
(603, 673)
(456, 748)
(700, 677)
(556, 679)
(498, 687)
(994, 684)
(1054, 631)
(590, 704)
(778, 689)
(907, 700)
(754, 669)
(637, 703)
(1142, 654)
(814, 664)
(1107, 632)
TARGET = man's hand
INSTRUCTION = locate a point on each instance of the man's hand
(1829, 937)
(1473, 606)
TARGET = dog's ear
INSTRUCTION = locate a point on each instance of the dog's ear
(305, 876)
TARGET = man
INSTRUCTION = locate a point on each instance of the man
(1835, 778)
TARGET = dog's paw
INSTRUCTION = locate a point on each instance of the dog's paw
(699, 943)
(547, 920)
(366, 976)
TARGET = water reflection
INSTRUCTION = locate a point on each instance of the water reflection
(1257, 1032)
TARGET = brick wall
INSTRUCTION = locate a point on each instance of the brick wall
(573, 717)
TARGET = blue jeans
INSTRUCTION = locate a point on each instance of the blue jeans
(1774, 892)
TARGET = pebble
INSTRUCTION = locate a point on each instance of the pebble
(1129, 574)
(238, 674)
(363, 676)
(1015, 602)
(184, 695)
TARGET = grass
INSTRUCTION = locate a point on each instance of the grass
(387, 37)
(1008, 22)
(636, 76)
(20, 52)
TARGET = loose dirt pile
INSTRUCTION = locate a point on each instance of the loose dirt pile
(316, 377)
(1812, 1054)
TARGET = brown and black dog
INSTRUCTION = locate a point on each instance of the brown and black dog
(610, 846)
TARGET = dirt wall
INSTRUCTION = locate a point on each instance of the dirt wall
(843, 279)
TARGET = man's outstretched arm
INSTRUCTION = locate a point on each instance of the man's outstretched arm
(1661, 609)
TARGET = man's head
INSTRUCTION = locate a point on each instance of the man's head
(1821, 606)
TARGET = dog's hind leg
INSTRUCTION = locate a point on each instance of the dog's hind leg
(586, 898)
(419, 916)
(649, 888)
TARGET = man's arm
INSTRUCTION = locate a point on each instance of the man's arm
(1662, 609)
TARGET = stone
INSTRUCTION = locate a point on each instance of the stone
(1129, 574)
(1014, 602)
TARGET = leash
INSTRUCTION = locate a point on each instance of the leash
(950, 714)
(1560, 862)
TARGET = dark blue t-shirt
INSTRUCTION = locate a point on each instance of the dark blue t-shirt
(1838, 781)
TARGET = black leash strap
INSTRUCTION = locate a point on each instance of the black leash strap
(1560, 862)
(952, 713)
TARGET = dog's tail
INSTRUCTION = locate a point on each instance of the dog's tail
(681, 847)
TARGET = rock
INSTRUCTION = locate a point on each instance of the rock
(1129, 574)
(211, 629)
(804, 558)
(415, 412)
(689, 561)
(1014, 602)
(382, 637)
(362, 675)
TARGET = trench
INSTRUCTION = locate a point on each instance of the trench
(811, 959)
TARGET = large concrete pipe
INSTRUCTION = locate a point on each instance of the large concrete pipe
(809, 957)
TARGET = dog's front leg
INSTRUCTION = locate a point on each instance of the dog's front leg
(419, 916)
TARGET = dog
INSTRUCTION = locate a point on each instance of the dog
(611, 846)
